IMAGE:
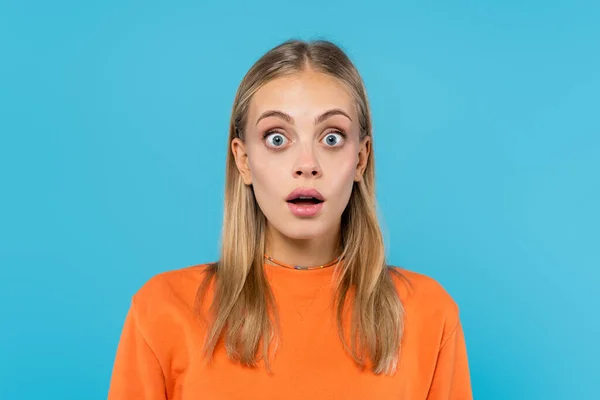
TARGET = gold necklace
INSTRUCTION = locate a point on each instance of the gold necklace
(282, 264)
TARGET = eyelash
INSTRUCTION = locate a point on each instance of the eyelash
(336, 131)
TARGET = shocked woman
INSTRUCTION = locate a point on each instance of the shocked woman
(301, 303)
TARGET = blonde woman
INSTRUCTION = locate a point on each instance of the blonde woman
(301, 304)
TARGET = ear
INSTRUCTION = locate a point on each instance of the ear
(238, 148)
(363, 156)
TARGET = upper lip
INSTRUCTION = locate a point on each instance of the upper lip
(305, 192)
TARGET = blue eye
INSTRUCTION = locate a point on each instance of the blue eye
(275, 139)
(333, 139)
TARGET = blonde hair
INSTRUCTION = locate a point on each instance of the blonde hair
(243, 311)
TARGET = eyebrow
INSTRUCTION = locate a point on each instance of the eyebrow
(288, 118)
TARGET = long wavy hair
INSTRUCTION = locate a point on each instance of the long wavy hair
(242, 312)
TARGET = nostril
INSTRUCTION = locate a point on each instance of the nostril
(313, 171)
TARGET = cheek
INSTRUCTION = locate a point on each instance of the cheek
(341, 175)
(268, 172)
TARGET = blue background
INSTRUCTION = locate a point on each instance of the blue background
(113, 122)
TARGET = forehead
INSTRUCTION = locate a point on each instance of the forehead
(307, 92)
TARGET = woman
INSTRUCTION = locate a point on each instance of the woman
(301, 304)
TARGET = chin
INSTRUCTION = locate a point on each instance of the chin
(299, 235)
(304, 230)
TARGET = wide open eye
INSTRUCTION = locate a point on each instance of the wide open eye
(275, 139)
(334, 139)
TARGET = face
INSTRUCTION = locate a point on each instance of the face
(302, 140)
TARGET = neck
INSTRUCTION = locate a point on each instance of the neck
(305, 252)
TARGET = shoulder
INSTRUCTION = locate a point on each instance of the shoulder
(169, 289)
(424, 298)
(414, 285)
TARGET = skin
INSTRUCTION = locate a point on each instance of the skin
(300, 153)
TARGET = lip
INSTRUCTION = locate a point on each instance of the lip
(305, 210)
(306, 192)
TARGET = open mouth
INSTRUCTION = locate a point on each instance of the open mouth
(305, 201)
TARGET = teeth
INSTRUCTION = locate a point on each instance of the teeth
(305, 197)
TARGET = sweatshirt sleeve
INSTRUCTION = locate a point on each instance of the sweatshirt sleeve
(137, 373)
(451, 378)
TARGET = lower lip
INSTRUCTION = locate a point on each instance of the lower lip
(305, 210)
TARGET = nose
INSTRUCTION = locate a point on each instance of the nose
(307, 165)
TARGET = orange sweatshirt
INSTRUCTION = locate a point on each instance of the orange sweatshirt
(159, 354)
